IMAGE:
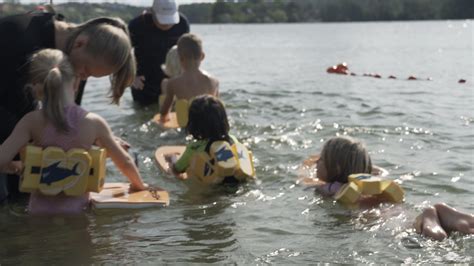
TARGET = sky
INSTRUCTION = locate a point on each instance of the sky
(129, 2)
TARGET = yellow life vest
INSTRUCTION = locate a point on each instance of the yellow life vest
(366, 184)
(221, 161)
(181, 107)
(51, 171)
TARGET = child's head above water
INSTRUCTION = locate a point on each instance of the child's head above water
(50, 65)
(208, 119)
(172, 67)
(190, 49)
(341, 157)
(50, 73)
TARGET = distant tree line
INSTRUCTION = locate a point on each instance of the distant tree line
(276, 11)
(262, 11)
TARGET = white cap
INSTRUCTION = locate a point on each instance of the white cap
(166, 11)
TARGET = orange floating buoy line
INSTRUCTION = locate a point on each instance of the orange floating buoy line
(343, 69)
(339, 69)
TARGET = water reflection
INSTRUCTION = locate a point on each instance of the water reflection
(209, 228)
(52, 239)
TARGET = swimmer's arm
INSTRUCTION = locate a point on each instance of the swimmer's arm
(163, 86)
(164, 110)
(119, 156)
(310, 182)
(311, 160)
(20, 136)
(216, 92)
(178, 166)
(172, 167)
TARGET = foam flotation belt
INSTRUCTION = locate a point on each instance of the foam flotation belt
(181, 107)
(222, 160)
(51, 171)
(182, 110)
(366, 184)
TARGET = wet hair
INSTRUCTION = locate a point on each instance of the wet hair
(110, 41)
(172, 66)
(343, 156)
(208, 119)
(190, 47)
(52, 69)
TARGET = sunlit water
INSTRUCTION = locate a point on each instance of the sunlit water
(283, 104)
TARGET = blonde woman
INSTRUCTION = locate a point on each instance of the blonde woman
(97, 48)
(63, 124)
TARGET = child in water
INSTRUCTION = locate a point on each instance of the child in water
(171, 68)
(193, 81)
(63, 124)
(343, 156)
(207, 123)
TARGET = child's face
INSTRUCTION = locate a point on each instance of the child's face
(322, 173)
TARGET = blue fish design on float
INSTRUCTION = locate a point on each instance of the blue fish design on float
(223, 154)
(208, 171)
(54, 173)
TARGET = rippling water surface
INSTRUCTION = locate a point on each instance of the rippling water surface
(283, 104)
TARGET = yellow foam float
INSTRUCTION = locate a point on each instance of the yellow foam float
(366, 184)
(182, 110)
(221, 161)
(52, 170)
(178, 118)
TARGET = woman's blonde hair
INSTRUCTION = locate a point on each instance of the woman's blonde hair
(109, 40)
(172, 66)
(343, 156)
(52, 69)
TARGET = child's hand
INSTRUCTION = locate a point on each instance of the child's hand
(125, 145)
(171, 158)
(13, 168)
(181, 176)
(138, 83)
(311, 160)
(140, 187)
(164, 118)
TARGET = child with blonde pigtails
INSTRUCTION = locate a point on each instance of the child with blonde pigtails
(62, 123)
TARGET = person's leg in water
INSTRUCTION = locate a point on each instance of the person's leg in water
(453, 220)
(428, 224)
(440, 219)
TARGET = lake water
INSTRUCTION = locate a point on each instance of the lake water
(283, 104)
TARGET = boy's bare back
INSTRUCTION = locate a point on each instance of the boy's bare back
(192, 84)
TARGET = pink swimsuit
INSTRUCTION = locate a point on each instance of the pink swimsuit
(329, 189)
(61, 204)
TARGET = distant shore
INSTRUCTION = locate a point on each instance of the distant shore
(283, 11)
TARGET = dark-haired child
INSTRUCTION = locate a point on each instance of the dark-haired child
(207, 124)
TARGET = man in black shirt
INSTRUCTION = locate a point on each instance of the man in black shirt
(153, 33)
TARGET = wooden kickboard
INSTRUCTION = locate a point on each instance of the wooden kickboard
(117, 196)
(164, 150)
(163, 164)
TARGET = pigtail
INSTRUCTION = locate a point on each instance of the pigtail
(51, 69)
(54, 99)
